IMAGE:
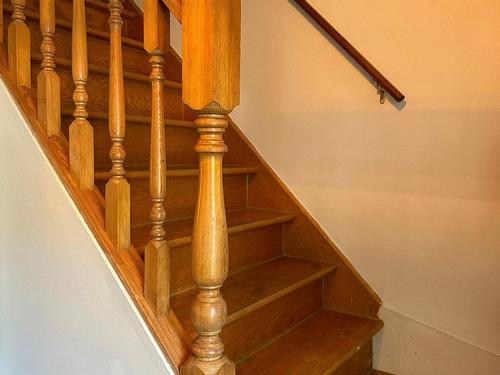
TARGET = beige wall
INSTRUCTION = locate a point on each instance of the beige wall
(410, 193)
(63, 309)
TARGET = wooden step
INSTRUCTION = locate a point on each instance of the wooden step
(135, 119)
(179, 230)
(104, 70)
(251, 289)
(181, 190)
(32, 15)
(178, 171)
(103, 6)
(320, 345)
(137, 93)
(180, 141)
(378, 372)
(254, 330)
(246, 249)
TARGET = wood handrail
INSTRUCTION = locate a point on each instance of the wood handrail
(378, 77)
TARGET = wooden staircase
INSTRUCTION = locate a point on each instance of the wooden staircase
(294, 304)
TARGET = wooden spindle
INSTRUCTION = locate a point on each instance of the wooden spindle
(49, 86)
(211, 63)
(157, 253)
(117, 188)
(81, 134)
(19, 45)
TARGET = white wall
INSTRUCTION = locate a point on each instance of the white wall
(63, 310)
(410, 193)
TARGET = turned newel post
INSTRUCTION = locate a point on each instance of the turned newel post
(81, 134)
(211, 63)
(49, 101)
(157, 253)
(19, 45)
(117, 188)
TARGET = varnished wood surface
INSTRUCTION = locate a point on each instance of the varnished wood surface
(81, 134)
(117, 188)
(48, 82)
(180, 171)
(318, 346)
(19, 44)
(246, 249)
(32, 15)
(138, 119)
(258, 328)
(1, 22)
(105, 71)
(180, 199)
(179, 231)
(175, 7)
(103, 7)
(251, 289)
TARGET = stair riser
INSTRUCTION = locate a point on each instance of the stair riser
(181, 194)
(360, 363)
(64, 11)
(245, 249)
(180, 144)
(255, 329)
(134, 59)
(137, 95)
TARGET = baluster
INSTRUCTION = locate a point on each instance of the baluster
(81, 134)
(211, 49)
(19, 45)
(49, 87)
(157, 253)
(117, 188)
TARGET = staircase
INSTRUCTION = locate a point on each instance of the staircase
(294, 304)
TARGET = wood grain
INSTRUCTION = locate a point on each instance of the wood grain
(251, 289)
(48, 83)
(19, 45)
(246, 249)
(117, 188)
(321, 345)
(81, 135)
(157, 253)
(260, 327)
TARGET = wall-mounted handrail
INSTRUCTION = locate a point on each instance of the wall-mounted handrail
(381, 82)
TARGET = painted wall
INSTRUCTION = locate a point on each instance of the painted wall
(410, 193)
(62, 308)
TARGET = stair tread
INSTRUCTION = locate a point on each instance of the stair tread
(35, 16)
(104, 70)
(133, 118)
(179, 230)
(320, 345)
(247, 290)
(176, 171)
(103, 5)
(378, 372)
